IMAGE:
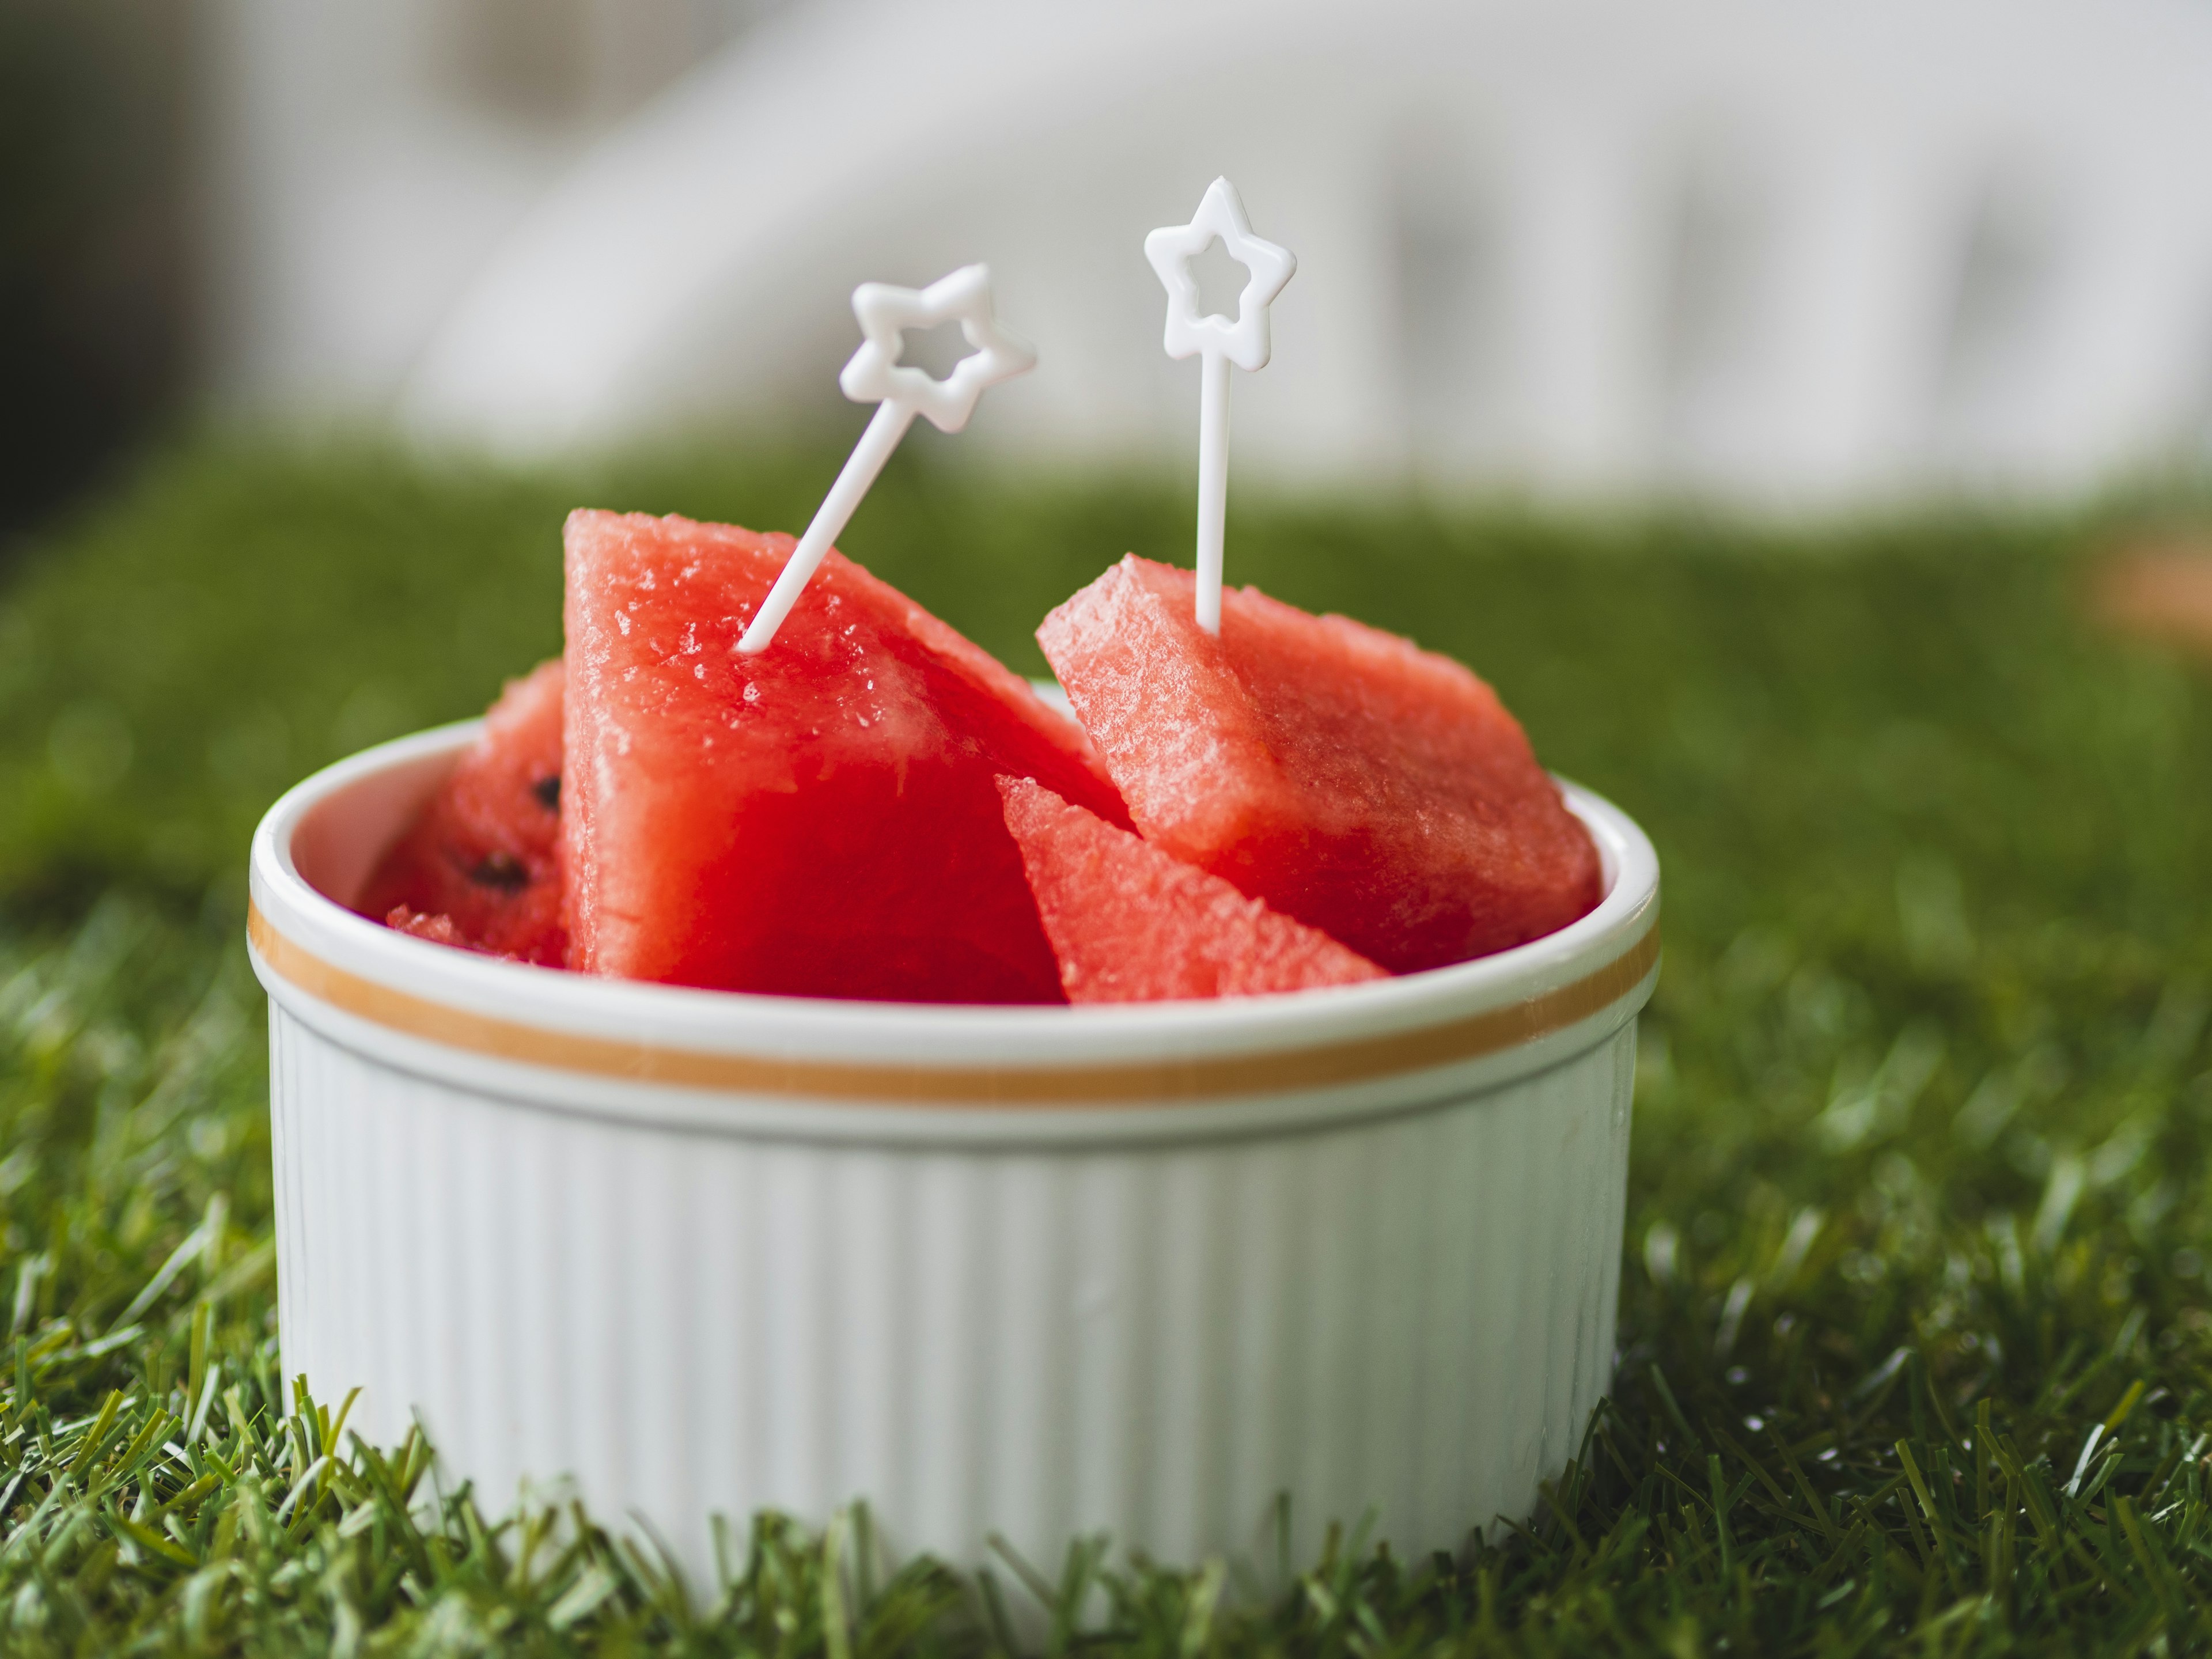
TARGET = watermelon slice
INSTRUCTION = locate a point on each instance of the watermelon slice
(1366, 787)
(485, 853)
(1130, 924)
(820, 819)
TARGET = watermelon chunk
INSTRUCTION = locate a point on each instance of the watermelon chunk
(1351, 780)
(820, 819)
(439, 929)
(1130, 924)
(485, 853)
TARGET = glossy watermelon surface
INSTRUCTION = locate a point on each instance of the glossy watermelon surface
(1131, 924)
(819, 819)
(1368, 788)
(484, 858)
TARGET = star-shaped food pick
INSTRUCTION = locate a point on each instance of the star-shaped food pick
(875, 375)
(900, 391)
(1243, 340)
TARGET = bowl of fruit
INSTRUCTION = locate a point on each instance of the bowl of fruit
(731, 1080)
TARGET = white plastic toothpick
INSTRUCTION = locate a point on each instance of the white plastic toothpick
(900, 391)
(1242, 341)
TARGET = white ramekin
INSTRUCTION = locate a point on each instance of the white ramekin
(1040, 1271)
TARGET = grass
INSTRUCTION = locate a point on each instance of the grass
(1914, 1327)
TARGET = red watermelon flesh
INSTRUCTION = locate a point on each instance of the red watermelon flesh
(1366, 787)
(1131, 924)
(485, 853)
(439, 929)
(819, 819)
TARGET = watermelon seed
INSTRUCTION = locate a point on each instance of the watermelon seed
(548, 791)
(503, 870)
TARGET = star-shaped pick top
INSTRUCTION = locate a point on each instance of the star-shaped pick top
(1171, 249)
(875, 375)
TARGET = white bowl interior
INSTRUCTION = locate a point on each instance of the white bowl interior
(341, 838)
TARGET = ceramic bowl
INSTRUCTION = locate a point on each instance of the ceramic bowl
(1040, 1271)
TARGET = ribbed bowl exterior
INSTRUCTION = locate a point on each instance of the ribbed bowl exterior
(1414, 1313)
(1030, 1274)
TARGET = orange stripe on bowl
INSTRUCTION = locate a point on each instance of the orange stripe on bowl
(1140, 1082)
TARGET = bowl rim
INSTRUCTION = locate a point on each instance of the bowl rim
(1595, 971)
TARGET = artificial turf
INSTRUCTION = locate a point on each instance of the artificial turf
(1914, 1324)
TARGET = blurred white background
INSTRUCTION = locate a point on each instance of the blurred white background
(367, 158)
(1777, 253)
